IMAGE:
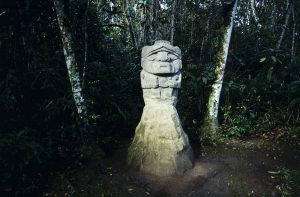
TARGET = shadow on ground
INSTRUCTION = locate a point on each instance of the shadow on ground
(236, 168)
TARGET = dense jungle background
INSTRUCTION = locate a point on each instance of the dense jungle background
(42, 137)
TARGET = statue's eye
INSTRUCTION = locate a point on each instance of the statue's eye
(162, 56)
(152, 57)
(172, 57)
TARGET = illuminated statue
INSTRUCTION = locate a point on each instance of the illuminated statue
(160, 145)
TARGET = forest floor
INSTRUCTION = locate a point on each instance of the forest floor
(234, 168)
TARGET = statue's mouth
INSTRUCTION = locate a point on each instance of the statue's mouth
(164, 65)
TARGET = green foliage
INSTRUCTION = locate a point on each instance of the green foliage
(261, 98)
(40, 131)
(254, 114)
(212, 139)
(291, 178)
(236, 123)
(192, 97)
(21, 153)
(294, 89)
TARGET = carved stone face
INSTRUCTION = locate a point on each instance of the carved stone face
(161, 58)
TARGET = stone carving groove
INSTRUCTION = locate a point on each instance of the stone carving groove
(160, 146)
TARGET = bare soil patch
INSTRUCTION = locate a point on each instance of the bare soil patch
(235, 168)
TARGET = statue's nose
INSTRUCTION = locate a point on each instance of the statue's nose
(162, 56)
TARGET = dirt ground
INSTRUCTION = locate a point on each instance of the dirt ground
(235, 168)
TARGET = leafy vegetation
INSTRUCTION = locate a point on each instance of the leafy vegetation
(290, 180)
(41, 133)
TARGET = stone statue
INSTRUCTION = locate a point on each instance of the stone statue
(160, 146)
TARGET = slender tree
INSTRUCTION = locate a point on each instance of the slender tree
(173, 21)
(153, 22)
(143, 23)
(85, 43)
(293, 35)
(254, 13)
(129, 24)
(211, 120)
(286, 21)
(69, 53)
(205, 37)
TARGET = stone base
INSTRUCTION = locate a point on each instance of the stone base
(160, 146)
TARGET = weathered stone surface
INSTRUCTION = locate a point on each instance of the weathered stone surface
(160, 95)
(160, 145)
(161, 58)
(149, 80)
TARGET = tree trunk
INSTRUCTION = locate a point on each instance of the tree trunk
(191, 35)
(293, 36)
(293, 43)
(142, 25)
(69, 54)
(205, 37)
(129, 24)
(173, 22)
(153, 21)
(85, 43)
(254, 13)
(26, 29)
(287, 17)
(211, 120)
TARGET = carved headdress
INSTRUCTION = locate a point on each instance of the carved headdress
(161, 45)
(161, 58)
